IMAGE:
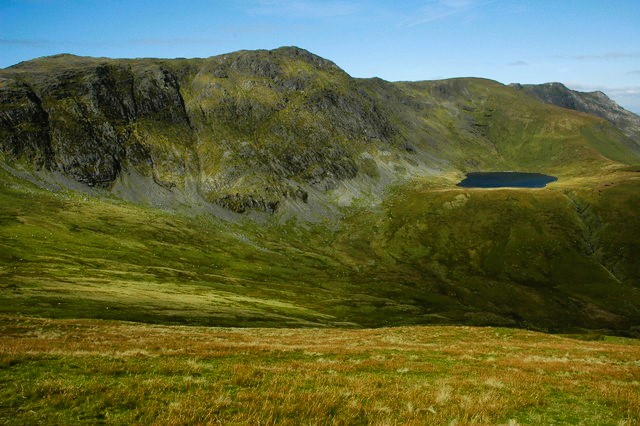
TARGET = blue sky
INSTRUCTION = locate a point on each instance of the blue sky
(586, 44)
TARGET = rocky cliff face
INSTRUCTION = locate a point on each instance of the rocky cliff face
(24, 132)
(251, 129)
(81, 120)
(595, 103)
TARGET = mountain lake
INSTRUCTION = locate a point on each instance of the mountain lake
(506, 180)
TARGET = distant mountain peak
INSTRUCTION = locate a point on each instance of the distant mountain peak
(596, 103)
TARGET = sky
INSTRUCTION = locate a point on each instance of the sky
(586, 44)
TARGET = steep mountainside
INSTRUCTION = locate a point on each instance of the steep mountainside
(270, 188)
(596, 103)
(245, 130)
(252, 129)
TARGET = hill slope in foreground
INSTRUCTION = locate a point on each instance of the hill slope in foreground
(269, 188)
(88, 371)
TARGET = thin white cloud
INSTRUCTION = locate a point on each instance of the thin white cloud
(613, 90)
(171, 41)
(37, 2)
(306, 8)
(25, 42)
(518, 64)
(457, 3)
(435, 10)
(607, 56)
(634, 72)
(625, 91)
(258, 29)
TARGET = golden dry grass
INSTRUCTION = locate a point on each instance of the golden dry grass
(87, 371)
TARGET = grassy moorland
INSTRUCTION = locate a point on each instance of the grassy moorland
(556, 259)
(88, 371)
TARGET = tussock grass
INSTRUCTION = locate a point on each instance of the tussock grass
(71, 371)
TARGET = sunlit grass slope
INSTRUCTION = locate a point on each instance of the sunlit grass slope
(560, 258)
(89, 371)
(66, 255)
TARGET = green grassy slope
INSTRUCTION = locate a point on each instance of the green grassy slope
(554, 259)
(373, 163)
(483, 125)
(547, 257)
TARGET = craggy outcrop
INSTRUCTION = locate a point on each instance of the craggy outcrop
(24, 125)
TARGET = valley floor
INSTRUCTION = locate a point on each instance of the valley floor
(88, 371)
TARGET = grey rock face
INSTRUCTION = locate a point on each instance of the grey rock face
(24, 125)
(79, 121)
(92, 119)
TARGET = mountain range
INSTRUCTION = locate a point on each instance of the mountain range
(272, 188)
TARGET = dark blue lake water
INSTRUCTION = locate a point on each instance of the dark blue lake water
(506, 180)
